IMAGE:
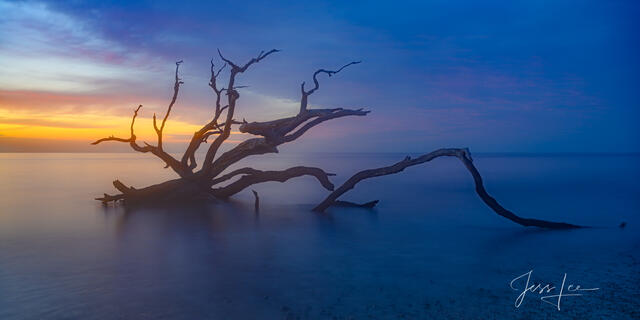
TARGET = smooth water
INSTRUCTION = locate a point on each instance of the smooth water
(431, 249)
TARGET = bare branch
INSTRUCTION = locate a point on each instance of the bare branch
(257, 176)
(208, 134)
(133, 121)
(110, 198)
(277, 131)
(213, 84)
(168, 159)
(188, 159)
(245, 170)
(238, 69)
(327, 72)
(261, 56)
(465, 156)
(126, 191)
(132, 137)
(227, 61)
(305, 94)
(215, 75)
(333, 115)
(111, 138)
(232, 96)
(249, 147)
(176, 88)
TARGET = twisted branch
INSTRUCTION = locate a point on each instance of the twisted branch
(232, 96)
(200, 136)
(279, 131)
(167, 158)
(306, 94)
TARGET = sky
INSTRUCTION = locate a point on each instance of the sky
(494, 76)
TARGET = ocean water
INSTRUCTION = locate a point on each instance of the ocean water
(431, 249)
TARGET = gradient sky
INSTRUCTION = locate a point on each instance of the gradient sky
(504, 76)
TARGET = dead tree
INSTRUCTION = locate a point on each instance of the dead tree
(209, 180)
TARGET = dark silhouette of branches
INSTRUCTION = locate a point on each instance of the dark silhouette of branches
(176, 89)
(465, 156)
(210, 181)
(305, 94)
(252, 176)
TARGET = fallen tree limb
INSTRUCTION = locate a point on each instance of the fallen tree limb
(253, 176)
(464, 156)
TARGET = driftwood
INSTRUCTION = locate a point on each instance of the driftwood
(209, 180)
(465, 156)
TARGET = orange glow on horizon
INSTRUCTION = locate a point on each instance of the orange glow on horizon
(56, 116)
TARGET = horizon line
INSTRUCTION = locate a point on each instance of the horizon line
(481, 153)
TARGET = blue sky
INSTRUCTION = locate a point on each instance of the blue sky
(519, 76)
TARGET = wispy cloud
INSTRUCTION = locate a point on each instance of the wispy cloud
(41, 49)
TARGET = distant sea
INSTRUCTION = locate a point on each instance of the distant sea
(431, 249)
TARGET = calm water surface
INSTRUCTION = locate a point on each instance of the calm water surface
(430, 250)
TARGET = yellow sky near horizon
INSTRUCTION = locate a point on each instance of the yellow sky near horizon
(37, 115)
(85, 126)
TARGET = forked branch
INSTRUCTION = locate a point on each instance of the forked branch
(237, 69)
(280, 131)
(232, 97)
(209, 129)
(167, 158)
